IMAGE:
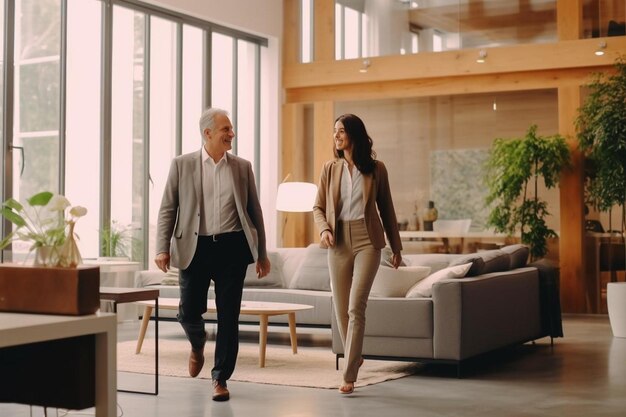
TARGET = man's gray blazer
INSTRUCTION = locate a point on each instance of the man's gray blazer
(179, 215)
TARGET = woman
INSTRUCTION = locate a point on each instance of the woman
(353, 189)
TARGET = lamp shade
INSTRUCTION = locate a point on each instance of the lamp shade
(296, 196)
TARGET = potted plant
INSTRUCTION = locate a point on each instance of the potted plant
(116, 241)
(43, 223)
(513, 170)
(601, 127)
(54, 284)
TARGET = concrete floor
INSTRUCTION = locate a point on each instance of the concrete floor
(584, 375)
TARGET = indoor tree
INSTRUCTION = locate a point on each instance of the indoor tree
(601, 126)
(513, 171)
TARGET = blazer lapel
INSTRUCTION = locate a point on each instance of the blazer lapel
(237, 190)
(196, 174)
(367, 188)
(336, 171)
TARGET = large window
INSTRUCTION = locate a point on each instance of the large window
(106, 93)
(36, 107)
(82, 140)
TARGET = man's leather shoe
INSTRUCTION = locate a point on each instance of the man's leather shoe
(220, 392)
(196, 361)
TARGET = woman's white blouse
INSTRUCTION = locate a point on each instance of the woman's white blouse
(352, 206)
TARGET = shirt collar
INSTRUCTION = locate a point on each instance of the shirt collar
(206, 156)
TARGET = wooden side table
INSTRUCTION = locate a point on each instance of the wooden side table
(131, 295)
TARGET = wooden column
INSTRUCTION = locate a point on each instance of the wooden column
(292, 228)
(324, 30)
(323, 120)
(574, 286)
(291, 29)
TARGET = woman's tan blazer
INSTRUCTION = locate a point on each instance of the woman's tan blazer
(377, 199)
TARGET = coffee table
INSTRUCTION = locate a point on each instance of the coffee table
(258, 308)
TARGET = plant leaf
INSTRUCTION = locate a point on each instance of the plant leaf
(40, 199)
(13, 217)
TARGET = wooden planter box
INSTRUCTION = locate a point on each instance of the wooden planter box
(49, 290)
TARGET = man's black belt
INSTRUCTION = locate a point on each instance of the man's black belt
(222, 236)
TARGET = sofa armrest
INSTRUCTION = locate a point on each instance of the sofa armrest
(475, 315)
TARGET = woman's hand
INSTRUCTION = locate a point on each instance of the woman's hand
(327, 239)
(396, 260)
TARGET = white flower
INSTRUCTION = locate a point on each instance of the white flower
(78, 211)
(58, 203)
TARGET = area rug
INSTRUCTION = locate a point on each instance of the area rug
(310, 367)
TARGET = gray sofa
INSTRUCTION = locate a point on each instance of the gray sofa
(494, 300)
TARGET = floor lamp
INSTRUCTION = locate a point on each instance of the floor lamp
(295, 197)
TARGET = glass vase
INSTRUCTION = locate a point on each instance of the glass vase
(45, 256)
(69, 255)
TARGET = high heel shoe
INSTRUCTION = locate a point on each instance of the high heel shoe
(346, 388)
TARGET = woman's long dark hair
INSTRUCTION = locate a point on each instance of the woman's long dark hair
(362, 154)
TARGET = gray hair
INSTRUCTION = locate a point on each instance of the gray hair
(207, 119)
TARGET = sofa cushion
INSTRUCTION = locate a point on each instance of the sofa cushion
(424, 288)
(436, 261)
(273, 279)
(478, 264)
(495, 261)
(519, 255)
(313, 273)
(391, 282)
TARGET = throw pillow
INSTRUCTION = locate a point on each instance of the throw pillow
(424, 288)
(390, 282)
(478, 264)
(313, 273)
(519, 255)
(495, 261)
(170, 280)
(171, 277)
(273, 279)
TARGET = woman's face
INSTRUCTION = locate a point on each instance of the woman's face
(342, 140)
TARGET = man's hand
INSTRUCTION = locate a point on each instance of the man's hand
(263, 267)
(162, 260)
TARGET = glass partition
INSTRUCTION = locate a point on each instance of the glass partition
(604, 18)
(444, 141)
(368, 28)
(365, 28)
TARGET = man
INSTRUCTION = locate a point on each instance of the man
(210, 226)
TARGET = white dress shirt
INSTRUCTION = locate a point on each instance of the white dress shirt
(352, 207)
(219, 208)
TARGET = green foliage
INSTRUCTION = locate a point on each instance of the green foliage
(513, 170)
(116, 240)
(42, 228)
(601, 126)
